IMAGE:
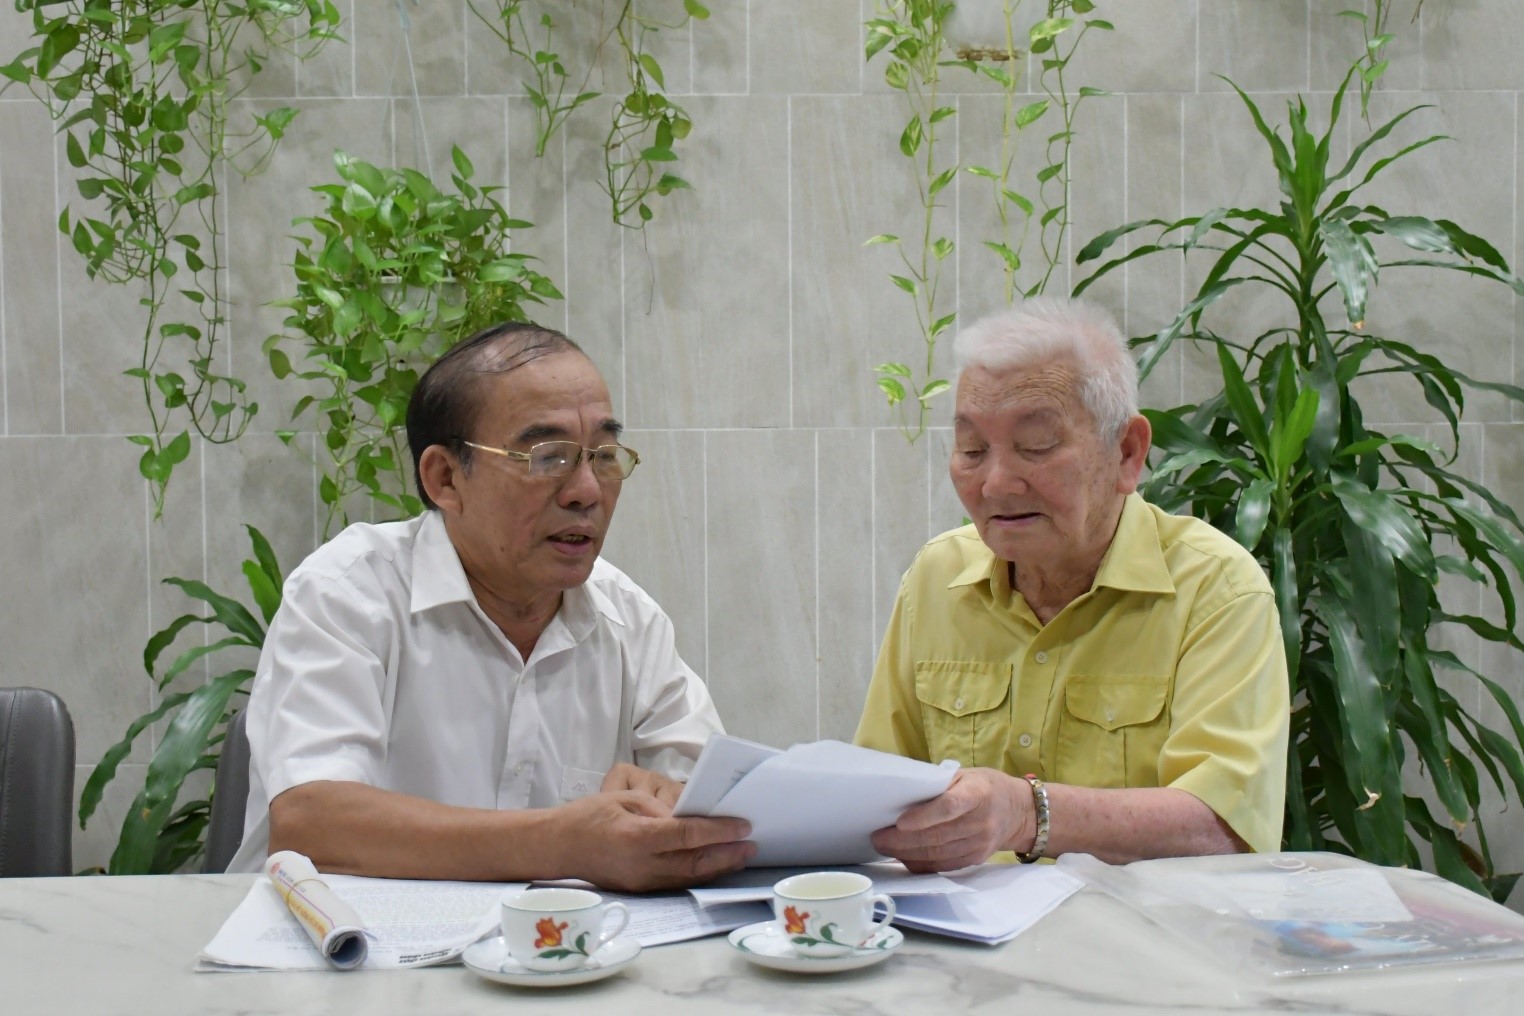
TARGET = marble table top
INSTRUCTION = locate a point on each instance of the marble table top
(127, 946)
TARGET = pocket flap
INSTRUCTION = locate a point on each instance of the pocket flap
(961, 687)
(577, 783)
(1115, 700)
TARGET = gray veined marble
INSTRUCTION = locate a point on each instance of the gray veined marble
(127, 945)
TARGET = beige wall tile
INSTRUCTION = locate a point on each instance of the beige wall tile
(1153, 48)
(436, 31)
(594, 247)
(658, 535)
(75, 616)
(32, 396)
(848, 638)
(1335, 42)
(706, 285)
(331, 70)
(850, 182)
(1260, 44)
(1472, 44)
(762, 666)
(262, 482)
(721, 64)
(800, 47)
(536, 192)
(902, 475)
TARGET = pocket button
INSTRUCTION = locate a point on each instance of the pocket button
(1025, 740)
(1041, 657)
(958, 704)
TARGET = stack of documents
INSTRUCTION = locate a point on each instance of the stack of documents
(991, 904)
(814, 804)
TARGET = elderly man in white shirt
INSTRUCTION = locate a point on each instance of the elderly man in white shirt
(474, 694)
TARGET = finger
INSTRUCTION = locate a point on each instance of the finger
(692, 833)
(618, 778)
(906, 848)
(955, 802)
(669, 792)
(639, 803)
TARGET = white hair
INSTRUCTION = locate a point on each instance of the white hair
(1046, 328)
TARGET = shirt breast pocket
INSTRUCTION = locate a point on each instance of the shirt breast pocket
(1112, 729)
(963, 709)
(577, 783)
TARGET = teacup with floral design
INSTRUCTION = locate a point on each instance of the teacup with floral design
(829, 913)
(559, 929)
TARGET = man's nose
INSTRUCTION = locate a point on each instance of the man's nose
(581, 488)
(1005, 475)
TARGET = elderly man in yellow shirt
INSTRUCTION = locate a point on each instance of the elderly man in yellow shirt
(1110, 676)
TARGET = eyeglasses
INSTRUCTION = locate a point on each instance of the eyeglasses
(560, 458)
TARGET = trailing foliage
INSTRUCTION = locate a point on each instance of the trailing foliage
(913, 37)
(1355, 526)
(396, 272)
(157, 837)
(141, 91)
(645, 126)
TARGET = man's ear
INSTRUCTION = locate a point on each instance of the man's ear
(1137, 439)
(440, 473)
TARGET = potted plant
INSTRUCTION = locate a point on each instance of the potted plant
(1354, 525)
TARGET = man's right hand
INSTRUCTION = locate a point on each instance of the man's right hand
(630, 842)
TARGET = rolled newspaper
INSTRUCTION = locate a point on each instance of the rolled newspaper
(333, 925)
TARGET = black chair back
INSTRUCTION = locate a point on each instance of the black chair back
(230, 795)
(36, 783)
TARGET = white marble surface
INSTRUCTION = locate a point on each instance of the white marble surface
(127, 945)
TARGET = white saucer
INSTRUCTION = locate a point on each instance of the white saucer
(490, 959)
(763, 944)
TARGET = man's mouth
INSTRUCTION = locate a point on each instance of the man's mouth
(1015, 518)
(571, 539)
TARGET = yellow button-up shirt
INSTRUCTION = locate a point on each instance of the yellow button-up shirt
(1168, 672)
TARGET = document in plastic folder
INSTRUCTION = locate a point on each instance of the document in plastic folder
(812, 804)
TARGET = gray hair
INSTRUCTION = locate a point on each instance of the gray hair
(1045, 328)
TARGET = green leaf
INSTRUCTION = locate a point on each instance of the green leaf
(1031, 113)
(1246, 411)
(463, 164)
(1253, 513)
(182, 747)
(933, 389)
(910, 137)
(881, 238)
(105, 771)
(895, 369)
(228, 612)
(1375, 511)
(892, 389)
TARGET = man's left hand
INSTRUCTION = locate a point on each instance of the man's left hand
(627, 777)
(982, 812)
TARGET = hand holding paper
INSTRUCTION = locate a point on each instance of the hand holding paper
(812, 804)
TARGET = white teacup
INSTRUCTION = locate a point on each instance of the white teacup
(829, 913)
(559, 929)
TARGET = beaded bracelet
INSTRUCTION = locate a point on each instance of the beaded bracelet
(1040, 804)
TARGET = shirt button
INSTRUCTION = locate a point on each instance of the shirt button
(1025, 740)
(1041, 657)
(1111, 715)
(518, 770)
(958, 704)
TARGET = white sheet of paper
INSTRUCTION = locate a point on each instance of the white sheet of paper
(1006, 900)
(818, 803)
(677, 917)
(757, 883)
(411, 924)
(720, 766)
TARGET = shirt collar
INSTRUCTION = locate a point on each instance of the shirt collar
(439, 578)
(1133, 561)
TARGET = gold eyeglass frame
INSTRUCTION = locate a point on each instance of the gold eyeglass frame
(583, 452)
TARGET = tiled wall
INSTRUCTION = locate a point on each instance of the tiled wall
(778, 506)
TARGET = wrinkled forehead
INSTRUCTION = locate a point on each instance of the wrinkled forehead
(1048, 388)
(559, 395)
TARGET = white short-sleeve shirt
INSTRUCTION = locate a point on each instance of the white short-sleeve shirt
(380, 668)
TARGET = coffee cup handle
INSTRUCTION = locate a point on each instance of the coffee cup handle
(615, 917)
(888, 904)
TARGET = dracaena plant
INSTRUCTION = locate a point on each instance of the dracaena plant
(159, 834)
(1355, 525)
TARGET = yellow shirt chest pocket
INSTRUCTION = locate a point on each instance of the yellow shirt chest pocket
(1111, 730)
(964, 710)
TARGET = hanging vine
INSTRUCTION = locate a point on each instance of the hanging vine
(914, 35)
(640, 146)
(141, 91)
